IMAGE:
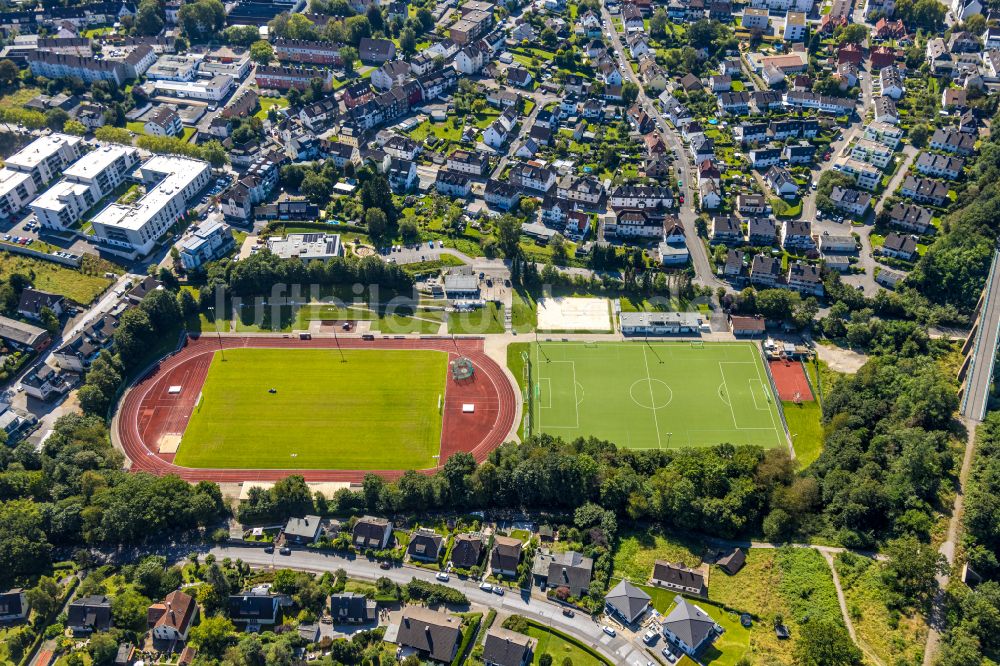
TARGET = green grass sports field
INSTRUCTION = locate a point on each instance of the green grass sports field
(377, 410)
(654, 395)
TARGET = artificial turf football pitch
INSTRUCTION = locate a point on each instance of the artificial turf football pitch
(654, 395)
(377, 409)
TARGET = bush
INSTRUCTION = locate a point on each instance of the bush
(432, 593)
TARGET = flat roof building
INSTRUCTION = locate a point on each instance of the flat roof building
(170, 183)
(84, 183)
(45, 157)
(307, 246)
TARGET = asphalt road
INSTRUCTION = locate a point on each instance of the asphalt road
(581, 627)
(978, 383)
(704, 275)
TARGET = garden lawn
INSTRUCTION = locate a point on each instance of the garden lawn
(377, 410)
(487, 319)
(559, 648)
(49, 276)
(422, 321)
(267, 102)
(806, 429)
(755, 590)
(637, 551)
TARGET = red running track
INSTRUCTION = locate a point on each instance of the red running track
(148, 411)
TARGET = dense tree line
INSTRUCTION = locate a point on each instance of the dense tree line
(74, 492)
(886, 451)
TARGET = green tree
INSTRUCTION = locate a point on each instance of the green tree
(261, 52)
(103, 649)
(376, 222)
(149, 17)
(10, 75)
(408, 41)
(201, 19)
(55, 119)
(911, 568)
(241, 35)
(75, 127)
(50, 322)
(630, 92)
(823, 642)
(44, 597)
(658, 23)
(213, 635)
(349, 56)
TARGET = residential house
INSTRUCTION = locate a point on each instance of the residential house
(746, 326)
(89, 614)
(425, 545)
(872, 152)
(851, 201)
(376, 51)
(371, 533)
(302, 531)
(781, 182)
(254, 609)
(531, 176)
(678, 577)
(911, 217)
(751, 204)
(892, 82)
(761, 231)
(805, 278)
(391, 73)
(734, 103)
(507, 648)
(172, 618)
(689, 627)
(924, 190)
(953, 141)
(900, 246)
(802, 153)
(468, 162)
(887, 134)
(506, 556)
(433, 635)
(763, 158)
(452, 183)
(865, 175)
(33, 302)
(734, 560)
(352, 608)
(940, 166)
(163, 121)
(626, 602)
(568, 569)
(466, 550)
(43, 383)
(796, 236)
(727, 230)
(735, 264)
(13, 606)
(710, 195)
(765, 271)
(502, 195)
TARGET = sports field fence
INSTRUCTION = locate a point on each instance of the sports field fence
(528, 401)
(777, 399)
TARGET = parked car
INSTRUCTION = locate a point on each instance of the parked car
(486, 587)
(568, 612)
(268, 549)
(443, 577)
(497, 590)
(285, 550)
(384, 565)
(609, 631)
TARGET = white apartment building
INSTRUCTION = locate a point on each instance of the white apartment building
(214, 89)
(865, 175)
(84, 183)
(44, 158)
(16, 190)
(170, 183)
(873, 152)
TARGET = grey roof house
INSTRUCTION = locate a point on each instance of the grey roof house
(351, 608)
(506, 555)
(570, 569)
(425, 545)
(507, 648)
(89, 614)
(689, 627)
(627, 601)
(304, 530)
(678, 577)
